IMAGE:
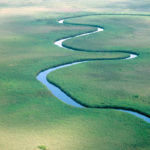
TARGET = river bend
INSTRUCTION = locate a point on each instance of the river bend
(61, 95)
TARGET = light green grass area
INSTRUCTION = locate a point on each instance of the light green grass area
(31, 118)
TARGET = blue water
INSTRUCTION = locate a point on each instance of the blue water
(54, 89)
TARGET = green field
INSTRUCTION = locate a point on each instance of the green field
(111, 83)
(31, 117)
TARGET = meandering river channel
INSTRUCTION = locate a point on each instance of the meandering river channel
(42, 76)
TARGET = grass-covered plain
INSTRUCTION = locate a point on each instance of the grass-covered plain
(123, 83)
(30, 116)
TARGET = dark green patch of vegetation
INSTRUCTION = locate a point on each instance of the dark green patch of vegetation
(42, 147)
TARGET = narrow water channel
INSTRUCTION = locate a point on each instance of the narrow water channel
(42, 76)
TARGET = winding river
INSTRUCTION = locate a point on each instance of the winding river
(42, 76)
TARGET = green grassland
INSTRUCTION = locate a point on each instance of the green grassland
(120, 33)
(111, 83)
(31, 117)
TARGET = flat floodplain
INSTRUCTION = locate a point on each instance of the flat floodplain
(30, 116)
(116, 83)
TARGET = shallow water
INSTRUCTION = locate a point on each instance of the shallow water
(54, 89)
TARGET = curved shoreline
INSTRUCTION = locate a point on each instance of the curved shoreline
(60, 94)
